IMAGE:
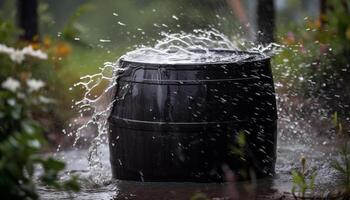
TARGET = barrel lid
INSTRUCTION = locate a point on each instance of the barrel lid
(191, 57)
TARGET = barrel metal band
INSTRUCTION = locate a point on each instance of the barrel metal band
(181, 126)
(187, 82)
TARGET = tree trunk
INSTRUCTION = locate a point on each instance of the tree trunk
(265, 21)
(27, 19)
(323, 10)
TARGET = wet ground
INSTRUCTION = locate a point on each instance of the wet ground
(320, 151)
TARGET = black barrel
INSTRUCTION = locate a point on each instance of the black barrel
(193, 122)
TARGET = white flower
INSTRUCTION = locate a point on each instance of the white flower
(6, 49)
(46, 100)
(34, 53)
(11, 84)
(18, 55)
(35, 85)
(11, 102)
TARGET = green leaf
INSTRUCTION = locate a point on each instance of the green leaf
(312, 181)
(335, 119)
(241, 140)
(52, 164)
(298, 179)
(72, 184)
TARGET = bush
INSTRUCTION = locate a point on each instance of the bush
(316, 60)
(21, 136)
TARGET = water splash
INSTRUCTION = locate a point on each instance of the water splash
(98, 109)
(198, 46)
(195, 47)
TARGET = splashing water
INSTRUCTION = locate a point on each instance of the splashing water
(197, 47)
(181, 48)
(296, 134)
(178, 48)
(99, 108)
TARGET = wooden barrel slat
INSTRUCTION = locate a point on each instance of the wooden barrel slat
(180, 122)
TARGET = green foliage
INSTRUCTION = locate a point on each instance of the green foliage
(22, 93)
(7, 30)
(239, 149)
(343, 167)
(20, 143)
(302, 182)
(316, 60)
(337, 125)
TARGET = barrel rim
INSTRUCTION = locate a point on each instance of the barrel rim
(244, 61)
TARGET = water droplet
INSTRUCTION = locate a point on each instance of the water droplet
(175, 17)
(105, 40)
(223, 100)
(121, 23)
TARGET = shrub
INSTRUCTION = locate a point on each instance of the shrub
(21, 138)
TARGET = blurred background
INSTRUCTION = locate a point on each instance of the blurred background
(79, 36)
(46, 46)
